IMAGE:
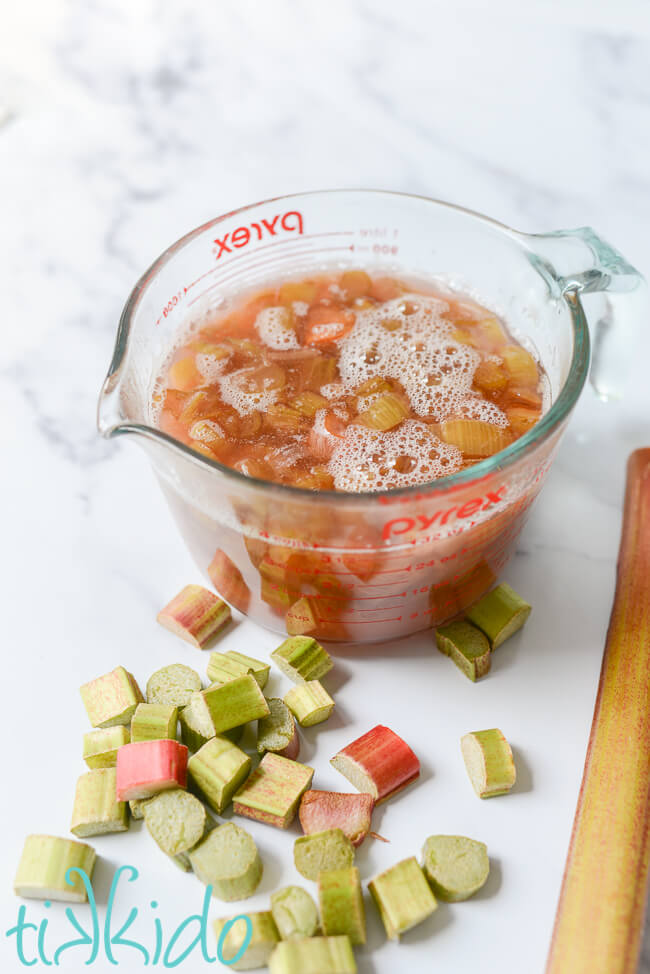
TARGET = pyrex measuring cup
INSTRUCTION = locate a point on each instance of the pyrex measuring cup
(371, 566)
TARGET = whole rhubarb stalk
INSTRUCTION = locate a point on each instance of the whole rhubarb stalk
(600, 912)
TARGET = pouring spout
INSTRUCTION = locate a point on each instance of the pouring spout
(587, 271)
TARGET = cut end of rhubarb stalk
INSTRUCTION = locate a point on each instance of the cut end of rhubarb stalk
(100, 746)
(234, 703)
(278, 732)
(456, 867)
(323, 810)
(175, 820)
(228, 861)
(112, 698)
(273, 791)
(321, 851)
(310, 703)
(341, 904)
(467, 646)
(403, 897)
(148, 767)
(136, 807)
(217, 770)
(499, 614)
(96, 810)
(313, 955)
(154, 722)
(44, 865)
(264, 937)
(195, 614)
(379, 763)
(173, 685)
(302, 659)
(294, 912)
(489, 762)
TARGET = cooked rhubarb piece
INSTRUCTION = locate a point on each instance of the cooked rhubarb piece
(228, 861)
(403, 897)
(101, 746)
(310, 703)
(195, 614)
(96, 809)
(379, 763)
(341, 904)
(173, 685)
(499, 614)
(229, 581)
(322, 810)
(256, 950)
(148, 767)
(330, 849)
(302, 659)
(43, 869)
(176, 820)
(217, 770)
(467, 646)
(112, 698)
(313, 955)
(273, 791)
(456, 867)
(278, 732)
(489, 762)
(294, 912)
(154, 722)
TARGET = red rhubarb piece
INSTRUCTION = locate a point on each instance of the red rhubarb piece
(379, 763)
(148, 767)
(323, 810)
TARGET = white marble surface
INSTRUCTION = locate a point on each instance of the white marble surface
(125, 124)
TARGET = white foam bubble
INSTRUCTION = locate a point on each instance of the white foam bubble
(211, 366)
(239, 391)
(416, 348)
(333, 390)
(299, 308)
(367, 459)
(473, 407)
(274, 328)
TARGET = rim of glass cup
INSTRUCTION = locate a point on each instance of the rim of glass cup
(551, 420)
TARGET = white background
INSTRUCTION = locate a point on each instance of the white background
(126, 124)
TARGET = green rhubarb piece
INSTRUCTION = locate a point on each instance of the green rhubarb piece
(136, 807)
(489, 762)
(264, 937)
(259, 669)
(455, 866)
(321, 851)
(277, 732)
(310, 703)
(112, 698)
(234, 703)
(403, 897)
(43, 866)
(197, 726)
(175, 820)
(467, 646)
(96, 810)
(154, 722)
(173, 685)
(228, 861)
(499, 614)
(341, 904)
(302, 659)
(313, 955)
(273, 791)
(100, 746)
(217, 770)
(294, 912)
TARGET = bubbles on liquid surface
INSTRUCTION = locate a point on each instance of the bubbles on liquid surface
(275, 329)
(249, 389)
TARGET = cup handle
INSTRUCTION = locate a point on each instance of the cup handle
(585, 270)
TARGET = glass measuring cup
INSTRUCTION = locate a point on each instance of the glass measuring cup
(371, 566)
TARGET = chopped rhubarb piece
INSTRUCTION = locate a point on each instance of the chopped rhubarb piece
(195, 614)
(499, 614)
(379, 763)
(111, 699)
(456, 867)
(403, 897)
(148, 767)
(217, 770)
(325, 325)
(241, 952)
(467, 646)
(258, 669)
(301, 617)
(273, 791)
(154, 722)
(489, 762)
(341, 904)
(101, 746)
(322, 810)
(223, 667)
(228, 861)
(234, 703)
(173, 685)
(302, 659)
(136, 807)
(330, 849)
(313, 955)
(310, 704)
(197, 726)
(176, 820)
(294, 912)
(96, 810)
(229, 581)
(43, 871)
(278, 732)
